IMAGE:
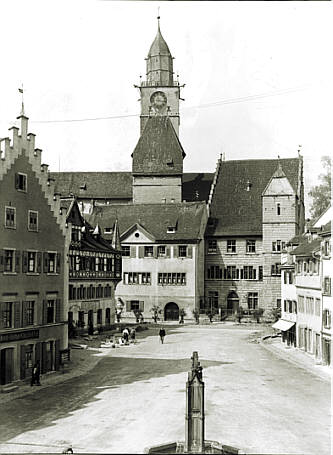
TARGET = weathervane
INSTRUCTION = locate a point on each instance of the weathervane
(22, 99)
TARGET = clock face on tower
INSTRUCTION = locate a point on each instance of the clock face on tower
(158, 100)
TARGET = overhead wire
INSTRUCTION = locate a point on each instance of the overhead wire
(213, 104)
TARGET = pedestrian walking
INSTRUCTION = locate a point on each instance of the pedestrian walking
(162, 334)
(35, 376)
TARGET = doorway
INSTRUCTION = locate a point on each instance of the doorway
(232, 303)
(6, 365)
(171, 312)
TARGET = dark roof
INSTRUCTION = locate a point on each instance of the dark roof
(154, 218)
(196, 186)
(159, 46)
(118, 185)
(158, 151)
(239, 212)
(103, 185)
(296, 240)
(307, 248)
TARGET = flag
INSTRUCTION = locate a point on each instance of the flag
(20, 90)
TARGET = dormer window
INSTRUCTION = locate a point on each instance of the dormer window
(83, 187)
(248, 185)
(170, 161)
(107, 230)
(171, 229)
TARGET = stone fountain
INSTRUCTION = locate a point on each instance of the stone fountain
(194, 420)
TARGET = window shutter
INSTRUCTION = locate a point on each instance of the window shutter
(175, 251)
(45, 262)
(128, 305)
(57, 310)
(24, 261)
(44, 321)
(17, 180)
(189, 251)
(141, 251)
(22, 369)
(17, 314)
(272, 269)
(24, 314)
(44, 358)
(57, 354)
(242, 274)
(37, 352)
(58, 262)
(133, 251)
(167, 251)
(225, 274)
(141, 305)
(1, 317)
(39, 262)
(17, 261)
(155, 251)
(1, 261)
(237, 274)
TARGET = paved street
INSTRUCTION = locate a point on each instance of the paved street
(134, 398)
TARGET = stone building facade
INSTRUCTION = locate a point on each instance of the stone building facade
(33, 265)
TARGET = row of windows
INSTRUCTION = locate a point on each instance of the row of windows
(10, 219)
(153, 251)
(144, 278)
(250, 245)
(89, 292)
(22, 314)
(309, 305)
(32, 261)
(91, 264)
(212, 247)
(308, 267)
(231, 272)
(81, 322)
(213, 301)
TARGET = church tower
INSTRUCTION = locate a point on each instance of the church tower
(157, 165)
(160, 93)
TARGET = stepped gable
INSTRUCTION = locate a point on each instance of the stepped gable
(238, 211)
(158, 151)
(95, 185)
(189, 219)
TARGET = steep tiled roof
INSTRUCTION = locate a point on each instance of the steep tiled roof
(307, 248)
(118, 185)
(154, 218)
(159, 150)
(104, 185)
(238, 211)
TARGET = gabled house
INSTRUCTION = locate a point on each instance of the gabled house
(33, 263)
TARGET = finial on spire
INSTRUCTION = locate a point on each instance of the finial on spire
(22, 100)
(299, 150)
(158, 17)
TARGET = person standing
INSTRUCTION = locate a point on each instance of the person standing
(35, 377)
(132, 334)
(162, 334)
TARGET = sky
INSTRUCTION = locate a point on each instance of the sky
(258, 79)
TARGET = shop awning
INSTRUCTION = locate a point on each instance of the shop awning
(283, 325)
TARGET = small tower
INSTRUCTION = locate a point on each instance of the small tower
(195, 412)
(160, 93)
